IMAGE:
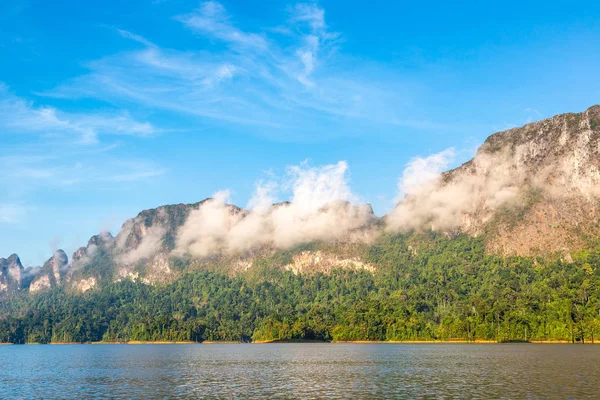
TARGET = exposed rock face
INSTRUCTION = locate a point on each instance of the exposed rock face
(530, 190)
(556, 163)
(91, 264)
(319, 261)
(52, 273)
(84, 255)
(83, 285)
(145, 242)
(41, 283)
(29, 276)
(146, 246)
(168, 218)
(12, 274)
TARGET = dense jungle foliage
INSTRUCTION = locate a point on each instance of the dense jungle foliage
(425, 288)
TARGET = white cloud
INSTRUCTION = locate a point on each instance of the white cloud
(468, 200)
(423, 172)
(20, 116)
(310, 13)
(32, 172)
(314, 18)
(133, 172)
(148, 246)
(12, 213)
(265, 195)
(287, 83)
(61, 149)
(314, 188)
(320, 208)
(133, 36)
(212, 19)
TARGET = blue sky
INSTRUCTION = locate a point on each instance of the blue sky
(113, 107)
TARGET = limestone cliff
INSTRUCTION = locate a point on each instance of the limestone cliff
(532, 190)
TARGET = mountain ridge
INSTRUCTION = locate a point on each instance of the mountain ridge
(529, 191)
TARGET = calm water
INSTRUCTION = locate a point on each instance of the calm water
(300, 371)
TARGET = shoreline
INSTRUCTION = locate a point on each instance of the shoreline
(275, 341)
(449, 341)
(300, 341)
(160, 342)
(458, 341)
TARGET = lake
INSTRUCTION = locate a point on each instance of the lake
(301, 371)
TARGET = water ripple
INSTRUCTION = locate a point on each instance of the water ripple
(305, 371)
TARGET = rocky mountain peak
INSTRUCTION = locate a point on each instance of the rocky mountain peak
(530, 190)
(58, 264)
(52, 273)
(13, 259)
(12, 273)
(161, 221)
(102, 239)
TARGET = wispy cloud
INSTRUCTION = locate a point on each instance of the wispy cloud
(132, 171)
(63, 149)
(211, 18)
(311, 14)
(287, 83)
(31, 172)
(317, 36)
(12, 213)
(20, 116)
(137, 38)
(423, 172)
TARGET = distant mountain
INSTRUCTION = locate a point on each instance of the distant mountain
(528, 191)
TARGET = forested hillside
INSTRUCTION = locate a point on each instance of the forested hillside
(424, 287)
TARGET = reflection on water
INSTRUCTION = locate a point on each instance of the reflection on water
(300, 371)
